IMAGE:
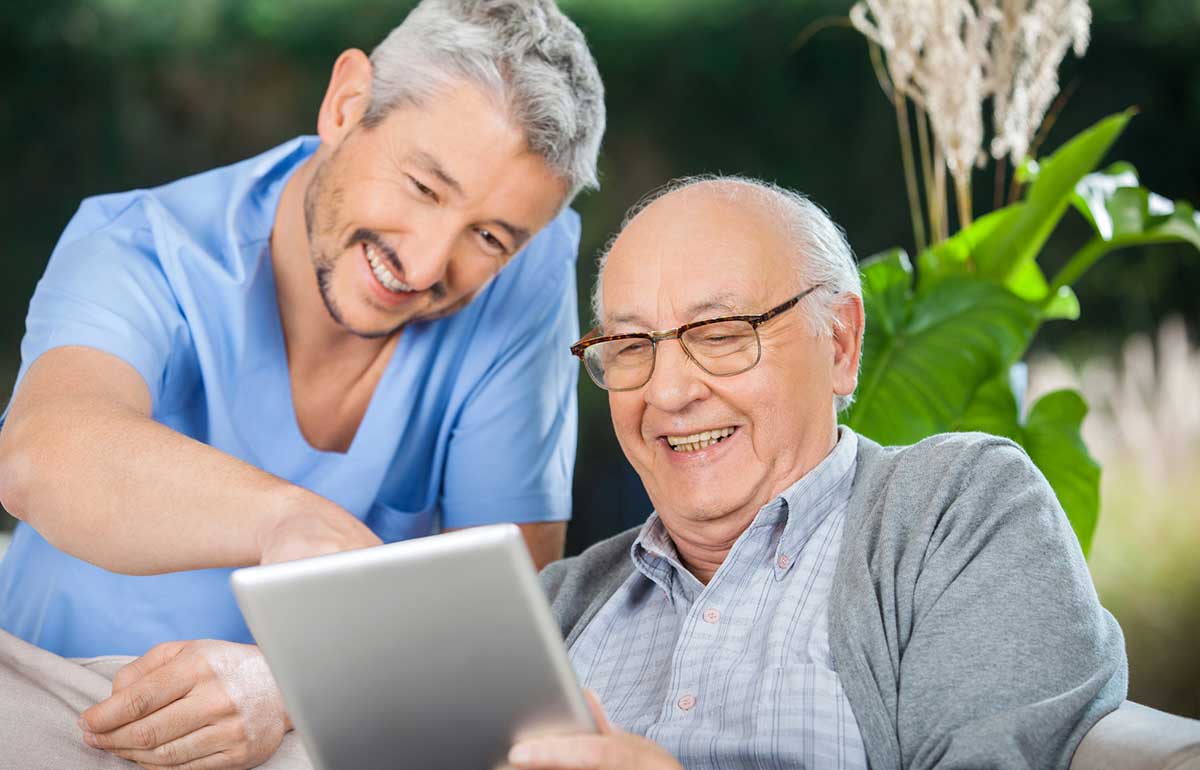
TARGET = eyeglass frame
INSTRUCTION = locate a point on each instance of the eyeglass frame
(656, 337)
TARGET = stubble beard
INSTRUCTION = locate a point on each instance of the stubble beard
(316, 200)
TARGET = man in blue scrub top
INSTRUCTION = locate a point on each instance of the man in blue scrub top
(350, 338)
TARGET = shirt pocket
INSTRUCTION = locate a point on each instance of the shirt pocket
(392, 524)
(803, 708)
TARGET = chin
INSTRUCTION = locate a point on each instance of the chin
(364, 324)
(694, 507)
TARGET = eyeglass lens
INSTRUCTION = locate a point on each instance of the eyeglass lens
(721, 349)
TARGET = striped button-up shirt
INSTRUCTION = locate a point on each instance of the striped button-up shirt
(736, 673)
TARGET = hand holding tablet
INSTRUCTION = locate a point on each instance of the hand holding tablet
(433, 653)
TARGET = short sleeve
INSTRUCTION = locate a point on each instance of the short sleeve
(105, 289)
(512, 450)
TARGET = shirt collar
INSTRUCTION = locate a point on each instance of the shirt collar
(655, 556)
(818, 493)
(257, 193)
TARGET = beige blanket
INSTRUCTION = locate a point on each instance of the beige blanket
(41, 697)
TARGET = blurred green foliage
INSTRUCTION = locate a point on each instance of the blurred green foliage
(106, 95)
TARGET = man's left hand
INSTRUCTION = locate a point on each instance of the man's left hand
(611, 749)
(204, 705)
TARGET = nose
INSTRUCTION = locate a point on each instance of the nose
(676, 381)
(427, 257)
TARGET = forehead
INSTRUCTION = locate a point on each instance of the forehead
(698, 248)
(469, 135)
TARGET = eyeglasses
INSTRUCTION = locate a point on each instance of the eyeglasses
(722, 347)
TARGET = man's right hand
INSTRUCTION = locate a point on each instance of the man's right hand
(308, 533)
(205, 705)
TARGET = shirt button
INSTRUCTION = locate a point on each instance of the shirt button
(686, 703)
(784, 561)
(711, 615)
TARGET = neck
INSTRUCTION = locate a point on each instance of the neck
(311, 333)
(703, 556)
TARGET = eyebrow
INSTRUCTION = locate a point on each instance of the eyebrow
(722, 303)
(519, 234)
(430, 164)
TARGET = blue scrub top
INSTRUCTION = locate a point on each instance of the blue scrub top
(473, 421)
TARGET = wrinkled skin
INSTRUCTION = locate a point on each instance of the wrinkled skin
(192, 706)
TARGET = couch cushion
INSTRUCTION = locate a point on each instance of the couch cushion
(1135, 737)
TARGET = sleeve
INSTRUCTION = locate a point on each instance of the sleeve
(1010, 658)
(105, 289)
(511, 454)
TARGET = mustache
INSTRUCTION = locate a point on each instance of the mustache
(438, 290)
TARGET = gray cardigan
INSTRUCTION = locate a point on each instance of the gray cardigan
(962, 620)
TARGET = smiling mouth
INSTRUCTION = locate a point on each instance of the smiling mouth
(694, 442)
(386, 278)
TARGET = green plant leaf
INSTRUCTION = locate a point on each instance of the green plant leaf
(1008, 248)
(1029, 283)
(1053, 441)
(1123, 213)
(926, 353)
(886, 279)
(956, 256)
(1051, 436)
(1119, 209)
(993, 410)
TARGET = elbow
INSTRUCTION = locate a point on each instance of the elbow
(16, 475)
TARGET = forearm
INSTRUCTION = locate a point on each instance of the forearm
(545, 540)
(113, 487)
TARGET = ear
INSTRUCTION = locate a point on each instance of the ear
(847, 344)
(346, 98)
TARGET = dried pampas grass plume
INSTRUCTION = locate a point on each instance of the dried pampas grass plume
(950, 56)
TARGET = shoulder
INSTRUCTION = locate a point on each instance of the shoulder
(546, 266)
(970, 486)
(949, 461)
(113, 213)
(557, 242)
(533, 297)
(110, 238)
(213, 211)
(584, 576)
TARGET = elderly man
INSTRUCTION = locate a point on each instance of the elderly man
(801, 596)
(306, 352)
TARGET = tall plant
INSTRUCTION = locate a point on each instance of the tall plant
(943, 335)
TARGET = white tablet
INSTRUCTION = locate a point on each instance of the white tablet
(432, 653)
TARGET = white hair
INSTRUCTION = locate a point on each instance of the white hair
(526, 53)
(823, 256)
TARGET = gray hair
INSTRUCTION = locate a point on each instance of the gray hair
(823, 255)
(526, 53)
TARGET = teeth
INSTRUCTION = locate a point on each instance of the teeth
(697, 441)
(380, 269)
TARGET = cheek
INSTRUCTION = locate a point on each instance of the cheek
(626, 411)
(374, 206)
(468, 272)
(768, 401)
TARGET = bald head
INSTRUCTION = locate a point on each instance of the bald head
(788, 234)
